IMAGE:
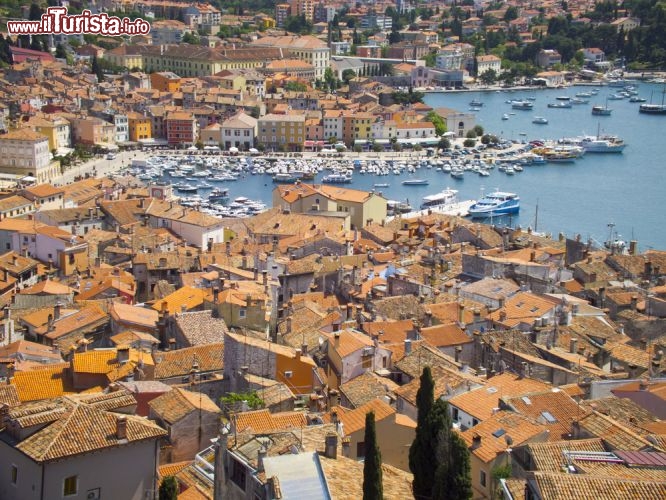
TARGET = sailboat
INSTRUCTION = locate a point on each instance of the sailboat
(654, 109)
(602, 110)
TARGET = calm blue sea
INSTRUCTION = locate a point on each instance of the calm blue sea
(625, 189)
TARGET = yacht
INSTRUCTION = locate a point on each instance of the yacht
(337, 178)
(524, 105)
(603, 144)
(415, 182)
(284, 178)
(652, 109)
(540, 120)
(475, 103)
(497, 203)
(560, 105)
(445, 197)
(218, 195)
(637, 99)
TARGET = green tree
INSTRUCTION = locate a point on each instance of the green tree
(372, 466)
(348, 75)
(452, 479)
(488, 77)
(469, 143)
(438, 122)
(168, 489)
(478, 130)
(421, 452)
(511, 13)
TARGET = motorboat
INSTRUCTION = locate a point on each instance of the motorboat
(381, 185)
(637, 99)
(563, 98)
(337, 178)
(284, 178)
(523, 105)
(578, 100)
(457, 173)
(616, 97)
(187, 188)
(415, 182)
(398, 207)
(218, 195)
(505, 116)
(559, 105)
(444, 197)
(540, 120)
(475, 103)
(497, 203)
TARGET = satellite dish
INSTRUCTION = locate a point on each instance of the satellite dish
(321, 341)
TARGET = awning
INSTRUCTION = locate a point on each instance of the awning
(109, 146)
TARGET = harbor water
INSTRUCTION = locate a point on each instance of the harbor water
(583, 197)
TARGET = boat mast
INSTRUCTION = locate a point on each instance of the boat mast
(536, 216)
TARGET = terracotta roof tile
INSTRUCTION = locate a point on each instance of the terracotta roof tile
(494, 430)
(43, 383)
(264, 422)
(366, 387)
(572, 486)
(178, 403)
(354, 420)
(84, 429)
(178, 363)
(480, 402)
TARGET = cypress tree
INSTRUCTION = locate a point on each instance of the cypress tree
(372, 467)
(421, 462)
(452, 480)
(168, 489)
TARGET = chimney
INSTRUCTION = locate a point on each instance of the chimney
(331, 446)
(457, 352)
(14, 259)
(56, 311)
(502, 315)
(428, 318)
(336, 339)
(289, 324)
(346, 445)
(261, 454)
(633, 247)
(532, 256)
(633, 371)
(573, 345)
(408, 346)
(634, 302)
(648, 269)
(643, 385)
(264, 277)
(90, 213)
(121, 428)
(476, 441)
(350, 311)
(461, 313)
(216, 295)
(501, 302)
(304, 349)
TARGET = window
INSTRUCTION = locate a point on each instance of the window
(69, 486)
(14, 474)
(455, 414)
(360, 449)
(482, 478)
(242, 313)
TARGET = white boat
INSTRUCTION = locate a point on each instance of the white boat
(444, 197)
(599, 110)
(337, 178)
(523, 105)
(505, 116)
(494, 204)
(540, 120)
(602, 143)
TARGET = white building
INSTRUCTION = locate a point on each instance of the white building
(239, 131)
(488, 63)
(333, 122)
(448, 59)
(24, 152)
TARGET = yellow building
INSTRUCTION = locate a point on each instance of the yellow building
(55, 129)
(361, 206)
(139, 127)
(165, 81)
(282, 132)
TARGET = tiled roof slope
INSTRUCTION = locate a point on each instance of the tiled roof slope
(84, 429)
